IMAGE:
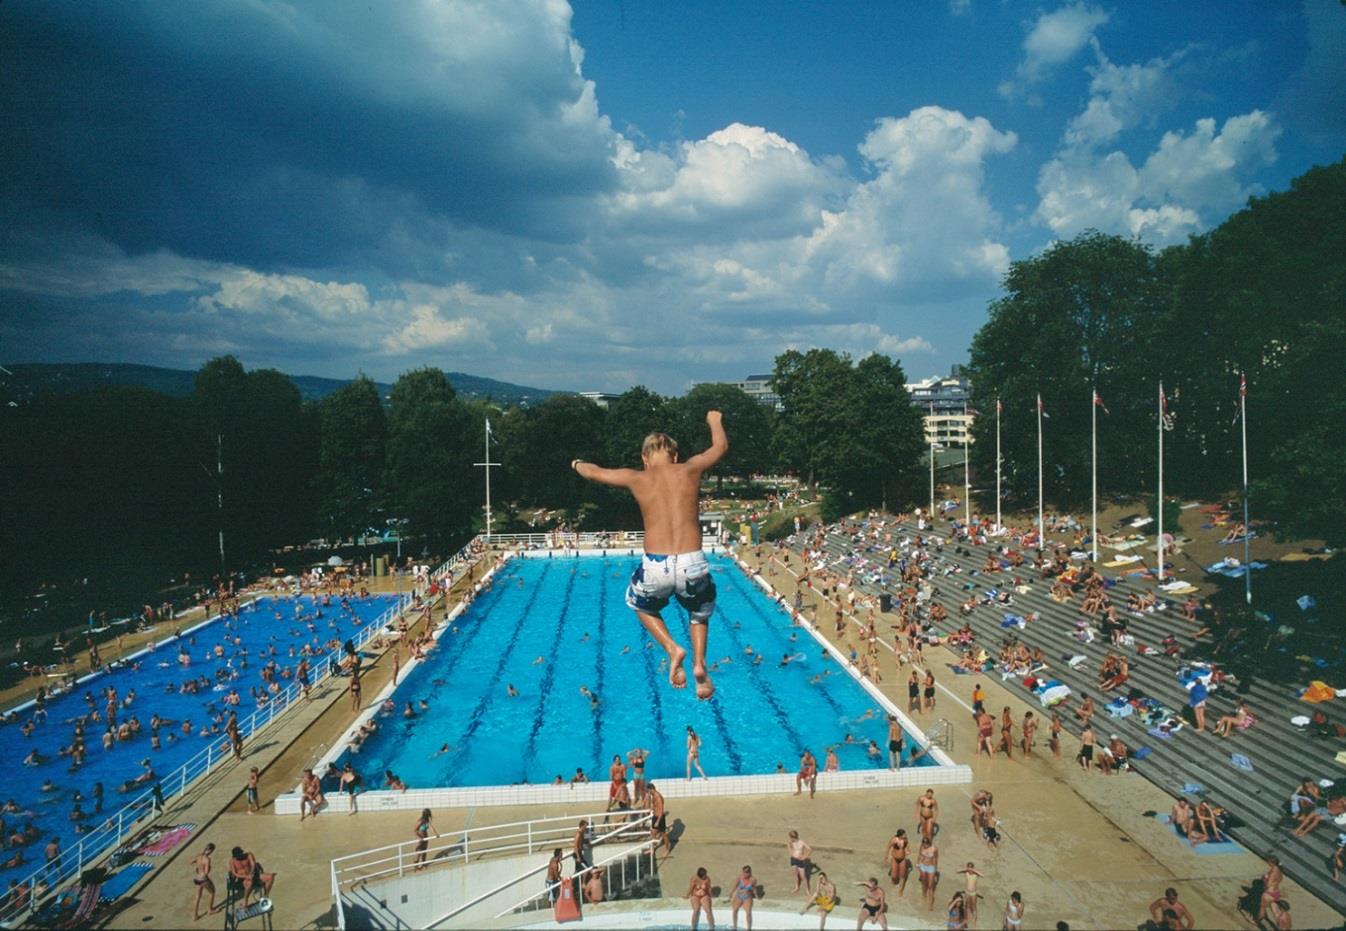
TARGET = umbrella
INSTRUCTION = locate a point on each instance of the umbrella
(335, 561)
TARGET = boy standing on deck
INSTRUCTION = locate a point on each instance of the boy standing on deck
(673, 565)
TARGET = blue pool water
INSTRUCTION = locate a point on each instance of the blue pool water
(571, 612)
(156, 683)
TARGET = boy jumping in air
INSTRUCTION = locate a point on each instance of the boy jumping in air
(673, 565)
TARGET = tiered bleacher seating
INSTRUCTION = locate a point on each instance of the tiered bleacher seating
(1281, 754)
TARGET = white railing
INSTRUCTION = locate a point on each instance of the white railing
(517, 837)
(534, 901)
(71, 862)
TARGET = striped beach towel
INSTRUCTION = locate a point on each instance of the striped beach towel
(169, 839)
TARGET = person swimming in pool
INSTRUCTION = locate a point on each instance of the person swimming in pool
(673, 565)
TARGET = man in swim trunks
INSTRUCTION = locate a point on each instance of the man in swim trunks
(673, 565)
(894, 743)
(654, 801)
(871, 908)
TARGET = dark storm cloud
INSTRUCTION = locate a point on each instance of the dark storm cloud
(253, 133)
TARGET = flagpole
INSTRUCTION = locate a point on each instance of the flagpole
(967, 484)
(487, 463)
(1093, 423)
(997, 465)
(1041, 523)
(1159, 545)
(932, 463)
(1247, 528)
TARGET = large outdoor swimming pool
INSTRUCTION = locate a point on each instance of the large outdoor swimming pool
(569, 613)
(156, 680)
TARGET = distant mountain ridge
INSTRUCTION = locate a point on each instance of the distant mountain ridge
(38, 379)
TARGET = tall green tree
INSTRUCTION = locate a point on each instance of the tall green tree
(1082, 315)
(352, 455)
(538, 444)
(748, 424)
(877, 459)
(810, 385)
(430, 454)
(635, 414)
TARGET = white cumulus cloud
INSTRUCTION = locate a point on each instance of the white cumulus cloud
(1054, 39)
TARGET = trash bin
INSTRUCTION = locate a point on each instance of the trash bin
(885, 601)
(380, 566)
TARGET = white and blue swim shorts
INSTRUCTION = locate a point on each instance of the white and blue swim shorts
(685, 576)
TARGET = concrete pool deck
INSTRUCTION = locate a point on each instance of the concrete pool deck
(1077, 845)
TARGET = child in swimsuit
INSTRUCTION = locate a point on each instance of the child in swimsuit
(673, 565)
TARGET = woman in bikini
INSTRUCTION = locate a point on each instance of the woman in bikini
(698, 893)
(927, 809)
(985, 729)
(745, 891)
(957, 918)
(202, 881)
(1014, 913)
(1007, 732)
(423, 828)
(898, 864)
(1271, 887)
(928, 696)
(927, 862)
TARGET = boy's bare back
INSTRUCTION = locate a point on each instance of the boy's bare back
(667, 491)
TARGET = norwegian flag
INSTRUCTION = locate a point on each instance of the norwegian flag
(1243, 396)
(998, 408)
(1098, 402)
(1042, 410)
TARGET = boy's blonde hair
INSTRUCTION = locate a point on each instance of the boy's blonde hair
(657, 442)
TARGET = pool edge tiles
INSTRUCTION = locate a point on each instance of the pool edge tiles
(944, 772)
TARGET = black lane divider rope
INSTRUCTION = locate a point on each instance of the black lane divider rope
(731, 751)
(548, 680)
(757, 609)
(764, 690)
(479, 712)
(600, 670)
(652, 682)
(456, 650)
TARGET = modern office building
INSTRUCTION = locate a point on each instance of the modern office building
(943, 401)
(601, 398)
(757, 387)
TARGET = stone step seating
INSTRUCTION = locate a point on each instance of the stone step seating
(1280, 754)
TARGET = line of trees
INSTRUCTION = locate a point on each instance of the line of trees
(115, 480)
(1262, 295)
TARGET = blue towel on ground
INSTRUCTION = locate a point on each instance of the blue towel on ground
(1193, 788)
(120, 882)
(1241, 762)
(1141, 753)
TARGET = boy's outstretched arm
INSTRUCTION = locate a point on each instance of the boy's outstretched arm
(622, 478)
(719, 443)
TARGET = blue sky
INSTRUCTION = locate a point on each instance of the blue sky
(613, 193)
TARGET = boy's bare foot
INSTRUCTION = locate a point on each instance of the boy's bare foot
(704, 687)
(677, 676)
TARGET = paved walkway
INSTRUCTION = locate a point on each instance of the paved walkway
(1077, 845)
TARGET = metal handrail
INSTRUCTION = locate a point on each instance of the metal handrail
(649, 842)
(621, 829)
(537, 831)
(70, 863)
(533, 832)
